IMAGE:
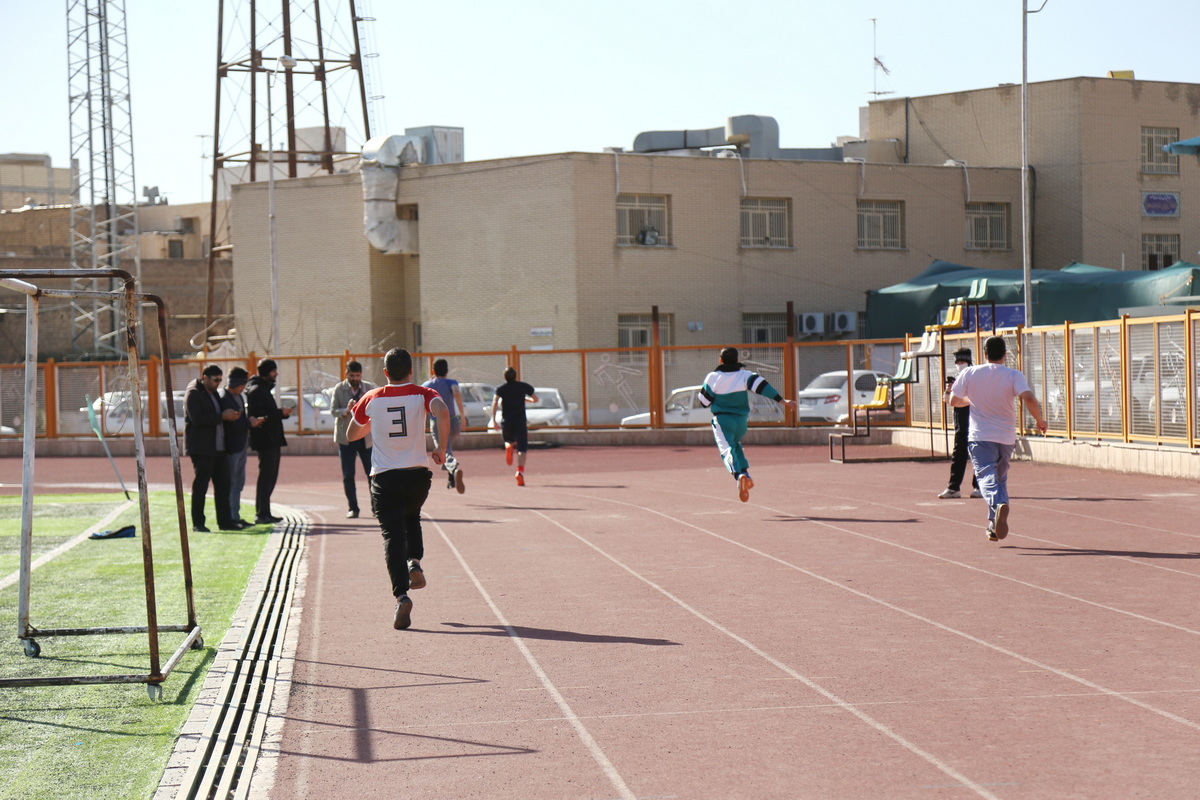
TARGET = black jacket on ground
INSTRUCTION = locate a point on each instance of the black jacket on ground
(200, 421)
(261, 403)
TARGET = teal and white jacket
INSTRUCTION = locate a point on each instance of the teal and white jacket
(729, 392)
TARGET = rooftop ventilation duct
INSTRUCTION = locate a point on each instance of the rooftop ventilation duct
(382, 158)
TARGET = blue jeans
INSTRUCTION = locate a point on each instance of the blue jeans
(349, 452)
(455, 429)
(237, 482)
(991, 460)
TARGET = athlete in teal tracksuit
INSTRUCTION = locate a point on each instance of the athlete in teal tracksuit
(726, 391)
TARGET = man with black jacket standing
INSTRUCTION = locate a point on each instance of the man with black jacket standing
(204, 440)
(237, 440)
(267, 439)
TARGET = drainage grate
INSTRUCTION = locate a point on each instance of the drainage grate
(230, 744)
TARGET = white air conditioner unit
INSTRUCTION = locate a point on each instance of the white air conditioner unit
(844, 321)
(810, 323)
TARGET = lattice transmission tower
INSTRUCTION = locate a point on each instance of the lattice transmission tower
(104, 198)
(292, 71)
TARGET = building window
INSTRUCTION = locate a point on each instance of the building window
(1154, 160)
(634, 330)
(643, 219)
(768, 328)
(1159, 250)
(174, 248)
(766, 222)
(987, 226)
(880, 224)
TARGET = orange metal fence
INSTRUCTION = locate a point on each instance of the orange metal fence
(1132, 380)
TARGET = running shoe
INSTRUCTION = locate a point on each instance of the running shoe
(403, 616)
(520, 479)
(744, 487)
(416, 576)
(1001, 529)
(450, 480)
(508, 451)
(458, 481)
(976, 493)
(949, 494)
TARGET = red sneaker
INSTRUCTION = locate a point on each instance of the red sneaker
(744, 487)
(520, 479)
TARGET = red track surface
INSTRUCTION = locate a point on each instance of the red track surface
(623, 627)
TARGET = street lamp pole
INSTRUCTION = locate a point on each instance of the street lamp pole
(286, 62)
(1026, 233)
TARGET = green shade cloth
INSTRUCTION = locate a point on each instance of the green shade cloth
(1077, 292)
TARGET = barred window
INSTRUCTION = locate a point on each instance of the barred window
(1159, 250)
(633, 330)
(766, 222)
(643, 219)
(881, 224)
(987, 226)
(1154, 160)
(769, 328)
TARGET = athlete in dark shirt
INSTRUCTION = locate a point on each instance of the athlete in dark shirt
(511, 398)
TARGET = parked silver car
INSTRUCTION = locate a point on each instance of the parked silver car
(827, 398)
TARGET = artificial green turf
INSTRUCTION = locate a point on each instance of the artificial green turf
(107, 741)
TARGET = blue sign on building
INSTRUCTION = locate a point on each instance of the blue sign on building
(1160, 204)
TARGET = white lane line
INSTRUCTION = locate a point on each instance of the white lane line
(897, 545)
(940, 626)
(835, 699)
(304, 762)
(581, 730)
(67, 545)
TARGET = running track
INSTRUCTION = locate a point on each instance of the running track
(623, 627)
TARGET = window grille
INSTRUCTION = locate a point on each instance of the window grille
(1159, 250)
(766, 222)
(633, 330)
(1154, 160)
(643, 219)
(987, 226)
(768, 328)
(881, 224)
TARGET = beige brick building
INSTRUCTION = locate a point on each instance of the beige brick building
(552, 251)
(31, 176)
(1104, 192)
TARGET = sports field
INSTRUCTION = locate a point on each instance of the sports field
(623, 627)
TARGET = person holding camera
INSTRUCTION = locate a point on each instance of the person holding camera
(962, 423)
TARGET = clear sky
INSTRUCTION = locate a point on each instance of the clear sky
(524, 77)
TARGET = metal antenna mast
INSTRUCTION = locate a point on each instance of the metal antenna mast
(321, 92)
(104, 223)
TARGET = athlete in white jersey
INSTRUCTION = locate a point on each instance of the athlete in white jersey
(395, 417)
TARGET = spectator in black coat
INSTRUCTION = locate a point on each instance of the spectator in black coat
(204, 441)
(237, 440)
(267, 439)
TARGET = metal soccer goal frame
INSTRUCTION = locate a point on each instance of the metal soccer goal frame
(19, 280)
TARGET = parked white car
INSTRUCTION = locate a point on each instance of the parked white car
(477, 399)
(549, 410)
(826, 398)
(114, 411)
(683, 408)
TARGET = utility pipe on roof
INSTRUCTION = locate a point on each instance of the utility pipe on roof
(382, 158)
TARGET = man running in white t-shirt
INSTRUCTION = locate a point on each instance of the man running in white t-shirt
(990, 389)
(395, 416)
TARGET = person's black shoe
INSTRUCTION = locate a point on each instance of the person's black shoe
(200, 529)
(352, 514)
(267, 520)
(403, 616)
(229, 526)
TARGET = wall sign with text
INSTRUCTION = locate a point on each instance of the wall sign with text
(1160, 204)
